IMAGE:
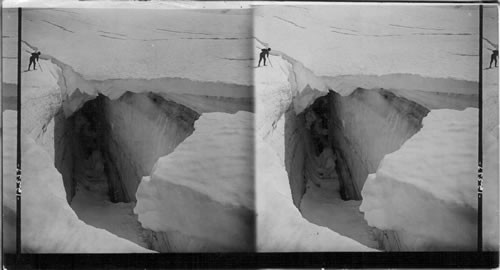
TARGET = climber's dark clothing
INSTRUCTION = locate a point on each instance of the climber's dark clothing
(263, 54)
(34, 56)
(494, 57)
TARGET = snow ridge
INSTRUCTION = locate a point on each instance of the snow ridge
(307, 86)
(79, 90)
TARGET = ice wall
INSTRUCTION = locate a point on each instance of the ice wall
(204, 189)
(362, 128)
(49, 225)
(365, 124)
(295, 154)
(371, 123)
(280, 225)
(140, 129)
(426, 188)
(134, 130)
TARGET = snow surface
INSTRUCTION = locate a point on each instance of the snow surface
(425, 54)
(199, 53)
(139, 54)
(331, 40)
(42, 185)
(343, 47)
(200, 45)
(324, 206)
(428, 186)
(205, 187)
(143, 54)
(280, 225)
(118, 218)
(194, 57)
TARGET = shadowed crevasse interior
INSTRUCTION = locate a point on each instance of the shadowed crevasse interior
(108, 145)
(360, 129)
(342, 139)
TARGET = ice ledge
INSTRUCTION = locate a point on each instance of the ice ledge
(78, 89)
(423, 190)
(307, 86)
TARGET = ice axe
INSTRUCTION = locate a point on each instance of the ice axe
(40, 66)
(270, 62)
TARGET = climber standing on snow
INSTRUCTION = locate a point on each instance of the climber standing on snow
(263, 54)
(34, 56)
(494, 57)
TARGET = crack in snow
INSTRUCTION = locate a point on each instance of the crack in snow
(443, 34)
(290, 22)
(343, 33)
(182, 32)
(65, 11)
(415, 27)
(237, 59)
(112, 33)
(404, 35)
(464, 54)
(112, 37)
(58, 26)
(261, 42)
(491, 43)
(340, 28)
(223, 38)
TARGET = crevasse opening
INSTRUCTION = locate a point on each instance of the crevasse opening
(332, 146)
(105, 148)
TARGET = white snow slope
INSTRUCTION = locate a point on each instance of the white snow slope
(196, 58)
(134, 50)
(426, 191)
(333, 40)
(424, 54)
(144, 43)
(205, 187)
(281, 228)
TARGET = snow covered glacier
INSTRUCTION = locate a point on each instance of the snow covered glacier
(356, 106)
(107, 106)
(216, 186)
(139, 136)
(424, 192)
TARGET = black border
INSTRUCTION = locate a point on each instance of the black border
(272, 260)
(18, 157)
(480, 138)
(257, 260)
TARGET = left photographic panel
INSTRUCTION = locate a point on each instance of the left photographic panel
(137, 130)
(9, 128)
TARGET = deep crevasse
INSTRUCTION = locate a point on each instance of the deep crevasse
(285, 84)
(58, 86)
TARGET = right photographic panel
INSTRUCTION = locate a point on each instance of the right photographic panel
(490, 128)
(367, 127)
